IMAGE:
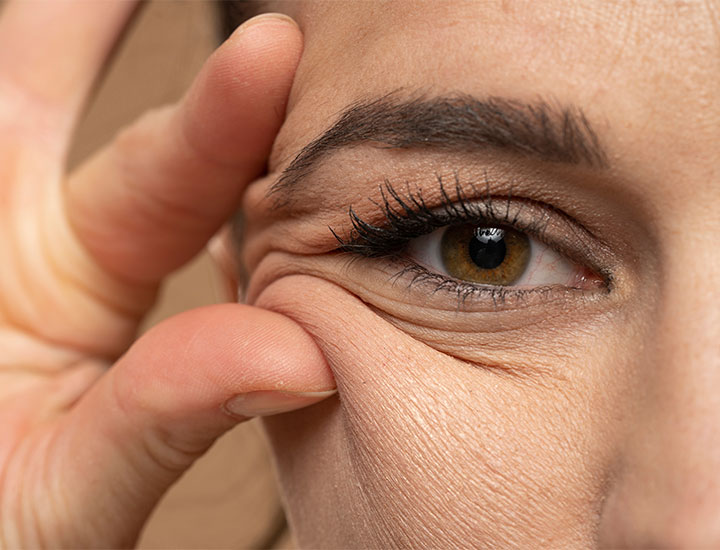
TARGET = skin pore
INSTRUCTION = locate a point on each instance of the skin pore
(558, 418)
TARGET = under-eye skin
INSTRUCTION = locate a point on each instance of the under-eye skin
(500, 248)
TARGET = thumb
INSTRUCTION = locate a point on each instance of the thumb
(165, 402)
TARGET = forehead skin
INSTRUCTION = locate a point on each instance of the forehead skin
(422, 451)
(649, 69)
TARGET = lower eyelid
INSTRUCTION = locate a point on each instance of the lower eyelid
(476, 297)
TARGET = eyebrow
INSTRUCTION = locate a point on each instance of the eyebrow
(551, 133)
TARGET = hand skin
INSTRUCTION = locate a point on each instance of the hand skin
(568, 424)
(87, 447)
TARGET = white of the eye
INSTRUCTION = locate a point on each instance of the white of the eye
(545, 265)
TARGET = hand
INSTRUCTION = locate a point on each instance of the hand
(86, 451)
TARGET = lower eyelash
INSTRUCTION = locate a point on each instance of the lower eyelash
(442, 283)
(408, 218)
(499, 295)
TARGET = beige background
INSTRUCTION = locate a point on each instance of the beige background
(228, 499)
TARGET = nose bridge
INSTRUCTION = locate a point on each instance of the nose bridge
(688, 324)
(682, 420)
(684, 395)
(667, 491)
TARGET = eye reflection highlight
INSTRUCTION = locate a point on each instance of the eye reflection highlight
(484, 254)
(491, 247)
(494, 255)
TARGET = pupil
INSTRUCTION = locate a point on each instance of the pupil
(487, 247)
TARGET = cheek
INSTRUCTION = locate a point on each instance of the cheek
(421, 449)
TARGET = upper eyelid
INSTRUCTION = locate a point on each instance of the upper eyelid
(402, 212)
(401, 216)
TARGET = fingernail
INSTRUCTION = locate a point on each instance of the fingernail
(265, 18)
(266, 403)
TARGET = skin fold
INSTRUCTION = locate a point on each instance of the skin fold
(570, 420)
(464, 417)
(96, 426)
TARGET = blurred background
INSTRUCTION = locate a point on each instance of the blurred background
(228, 498)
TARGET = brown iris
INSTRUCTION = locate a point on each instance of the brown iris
(485, 254)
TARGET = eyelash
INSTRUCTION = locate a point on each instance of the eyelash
(411, 217)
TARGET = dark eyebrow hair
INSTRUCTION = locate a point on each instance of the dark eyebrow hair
(460, 122)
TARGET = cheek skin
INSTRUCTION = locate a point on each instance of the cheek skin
(420, 449)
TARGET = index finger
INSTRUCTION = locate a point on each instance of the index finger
(150, 201)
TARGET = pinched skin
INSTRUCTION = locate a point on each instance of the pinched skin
(86, 451)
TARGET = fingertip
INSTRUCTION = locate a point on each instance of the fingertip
(237, 104)
(272, 18)
(267, 34)
(204, 356)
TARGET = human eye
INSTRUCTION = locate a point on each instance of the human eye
(502, 247)
(493, 254)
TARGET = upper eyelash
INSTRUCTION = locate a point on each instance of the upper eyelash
(407, 219)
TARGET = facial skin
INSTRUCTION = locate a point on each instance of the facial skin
(565, 419)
